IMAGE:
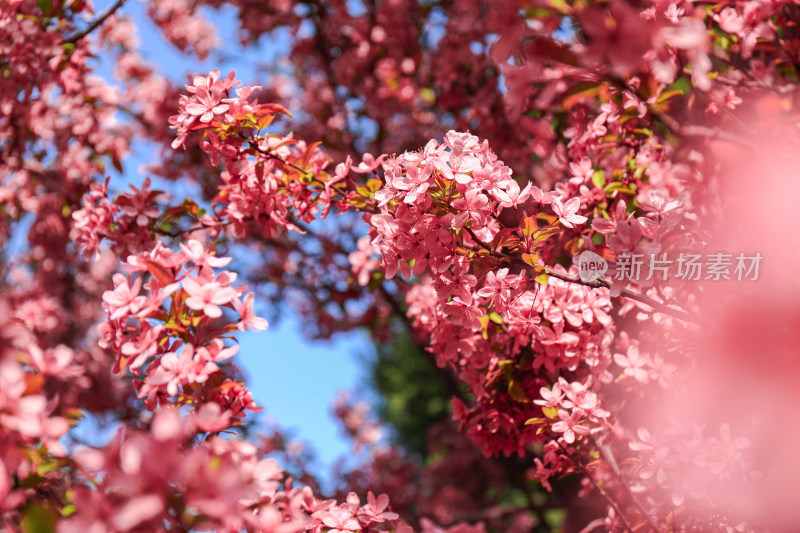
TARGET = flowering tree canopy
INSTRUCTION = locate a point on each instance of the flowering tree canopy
(574, 212)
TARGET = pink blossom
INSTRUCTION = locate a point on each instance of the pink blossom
(368, 163)
(605, 226)
(205, 105)
(730, 20)
(137, 510)
(473, 207)
(338, 519)
(361, 261)
(210, 418)
(634, 364)
(512, 197)
(141, 204)
(566, 212)
(645, 442)
(248, 319)
(582, 171)
(497, 288)
(124, 299)
(216, 351)
(207, 296)
(143, 346)
(178, 370)
(58, 361)
(550, 397)
(376, 510)
(201, 256)
(569, 425)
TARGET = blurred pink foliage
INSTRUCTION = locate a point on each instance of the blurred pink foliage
(510, 137)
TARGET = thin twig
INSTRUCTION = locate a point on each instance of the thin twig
(691, 130)
(627, 293)
(89, 29)
(270, 155)
(595, 284)
(611, 461)
(600, 489)
(594, 524)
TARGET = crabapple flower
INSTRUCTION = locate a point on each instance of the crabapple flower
(472, 207)
(566, 212)
(582, 171)
(339, 520)
(136, 511)
(208, 296)
(634, 364)
(362, 262)
(176, 370)
(139, 204)
(143, 346)
(605, 226)
(124, 299)
(569, 425)
(512, 197)
(376, 510)
(550, 398)
(200, 256)
(245, 309)
(497, 288)
(368, 163)
(206, 105)
(645, 442)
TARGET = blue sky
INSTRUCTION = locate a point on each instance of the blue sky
(293, 379)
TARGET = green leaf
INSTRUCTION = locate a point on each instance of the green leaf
(530, 259)
(561, 5)
(599, 178)
(45, 6)
(494, 317)
(39, 519)
(621, 187)
(682, 84)
(555, 517)
(428, 95)
(484, 320)
(542, 278)
(33, 480)
(550, 412)
(528, 226)
(48, 466)
(581, 92)
(68, 509)
(516, 391)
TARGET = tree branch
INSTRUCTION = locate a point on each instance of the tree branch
(627, 293)
(690, 130)
(596, 284)
(599, 489)
(611, 461)
(97, 22)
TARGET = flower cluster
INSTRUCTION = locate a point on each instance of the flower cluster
(170, 327)
(634, 129)
(221, 484)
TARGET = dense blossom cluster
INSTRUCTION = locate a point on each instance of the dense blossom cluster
(220, 484)
(509, 138)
